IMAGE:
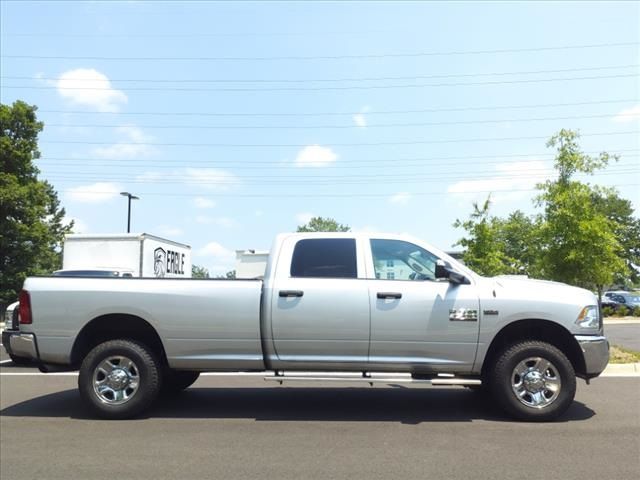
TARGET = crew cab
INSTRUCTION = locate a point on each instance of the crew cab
(373, 306)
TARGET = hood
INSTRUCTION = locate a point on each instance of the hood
(522, 286)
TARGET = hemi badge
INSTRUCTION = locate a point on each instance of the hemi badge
(490, 312)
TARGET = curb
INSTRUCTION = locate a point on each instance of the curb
(633, 321)
(622, 370)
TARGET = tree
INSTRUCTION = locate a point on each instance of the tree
(626, 227)
(585, 235)
(580, 244)
(484, 252)
(518, 238)
(199, 272)
(32, 222)
(320, 224)
(230, 275)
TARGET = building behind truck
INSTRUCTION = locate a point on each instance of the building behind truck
(251, 263)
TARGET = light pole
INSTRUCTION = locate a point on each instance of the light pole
(131, 197)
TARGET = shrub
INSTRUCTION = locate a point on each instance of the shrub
(607, 311)
(636, 312)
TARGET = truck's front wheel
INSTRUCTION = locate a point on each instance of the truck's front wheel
(119, 379)
(533, 381)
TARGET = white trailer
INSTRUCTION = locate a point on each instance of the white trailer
(143, 254)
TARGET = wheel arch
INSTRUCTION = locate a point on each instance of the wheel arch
(114, 326)
(536, 329)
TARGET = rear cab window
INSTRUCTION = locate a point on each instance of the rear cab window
(324, 258)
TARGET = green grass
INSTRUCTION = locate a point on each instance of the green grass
(619, 354)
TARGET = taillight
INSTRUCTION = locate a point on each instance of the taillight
(25, 307)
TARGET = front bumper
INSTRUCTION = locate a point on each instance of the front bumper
(595, 349)
(20, 344)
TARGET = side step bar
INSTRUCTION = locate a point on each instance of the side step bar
(371, 379)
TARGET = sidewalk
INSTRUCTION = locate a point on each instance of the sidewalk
(621, 321)
(622, 370)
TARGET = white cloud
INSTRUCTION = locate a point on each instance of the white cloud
(304, 217)
(78, 225)
(169, 230)
(360, 119)
(401, 198)
(217, 258)
(91, 88)
(214, 249)
(515, 177)
(201, 202)
(99, 192)
(315, 156)
(134, 145)
(211, 178)
(631, 114)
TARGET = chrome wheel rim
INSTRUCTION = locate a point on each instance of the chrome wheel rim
(536, 382)
(116, 380)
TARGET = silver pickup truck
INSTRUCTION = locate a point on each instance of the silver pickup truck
(356, 307)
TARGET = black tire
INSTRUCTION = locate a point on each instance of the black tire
(148, 374)
(175, 381)
(20, 361)
(503, 375)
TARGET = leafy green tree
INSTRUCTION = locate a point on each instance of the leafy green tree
(230, 275)
(580, 244)
(199, 272)
(626, 229)
(32, 225)
(484, 251)
(518, 237)
(320, 224)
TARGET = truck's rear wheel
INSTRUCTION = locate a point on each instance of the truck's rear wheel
(175, 381)
(119, 379)
(533, 381)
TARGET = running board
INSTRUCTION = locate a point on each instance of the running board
(388, 380)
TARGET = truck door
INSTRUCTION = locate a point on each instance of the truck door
(417, 321)
(319, 305)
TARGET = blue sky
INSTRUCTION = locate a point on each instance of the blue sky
(236, 121)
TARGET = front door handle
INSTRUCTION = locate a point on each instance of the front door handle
(395, 295)
(291, 293)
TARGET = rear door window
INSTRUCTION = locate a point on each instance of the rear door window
(325, 258)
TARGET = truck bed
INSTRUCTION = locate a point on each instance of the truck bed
(202, 323)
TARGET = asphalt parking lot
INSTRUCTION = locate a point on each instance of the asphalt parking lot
(627, 336)
(241, 427)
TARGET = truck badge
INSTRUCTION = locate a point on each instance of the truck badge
(463, 315)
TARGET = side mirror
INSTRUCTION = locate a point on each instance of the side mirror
(444, 270)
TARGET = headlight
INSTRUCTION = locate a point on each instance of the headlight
(589, 317)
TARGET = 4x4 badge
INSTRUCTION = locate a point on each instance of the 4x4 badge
(463, 315)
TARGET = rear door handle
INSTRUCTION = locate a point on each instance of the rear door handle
(291, 293)
(389, 295)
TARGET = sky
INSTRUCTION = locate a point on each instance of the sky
(236, 121)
